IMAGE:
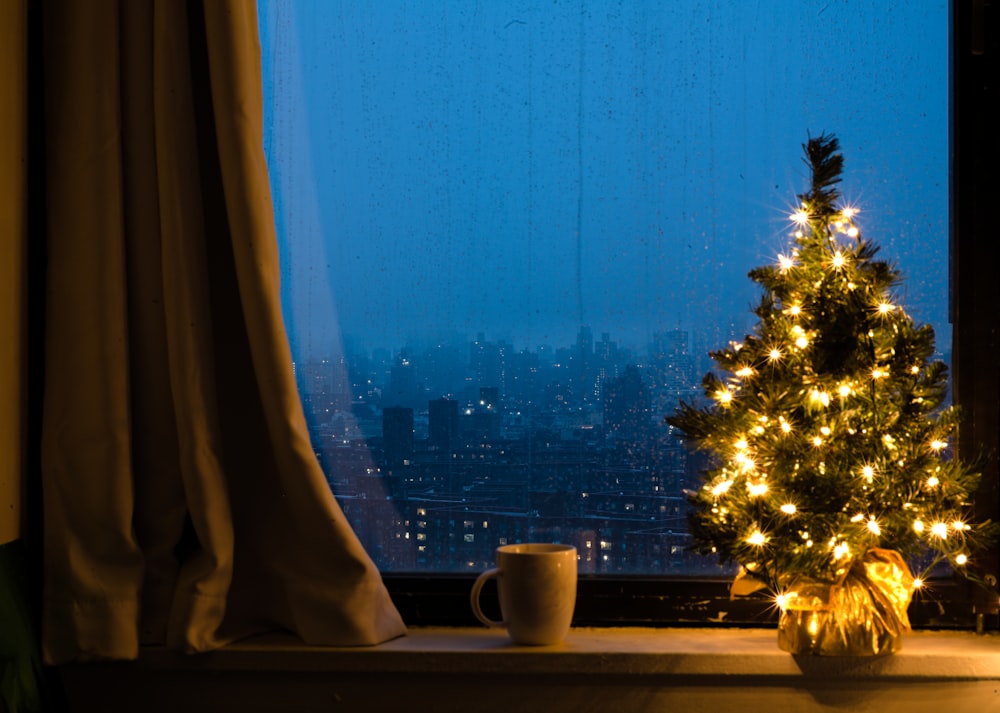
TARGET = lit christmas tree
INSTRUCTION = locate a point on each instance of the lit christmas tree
(830, 439)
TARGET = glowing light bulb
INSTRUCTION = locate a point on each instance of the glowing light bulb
(774, 354)
(724, 396)
(812, 626)
(721, 488)
(785, 263)
(933, 482)
(961, 559)
(819, 398)
(817, 441)
(801, 217)
(873, 527)
(853, 232)
(741, 444)
(885, 308)
(786, 427)
(757, 489)
(757, 538)
(788, 509)
(918, 526)
(868, 472)
(838, 260)
(938, 445)
(939, 529)
(844, 391)
(918, 583)
(849, 212)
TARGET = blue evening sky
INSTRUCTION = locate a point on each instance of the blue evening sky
(521, 168)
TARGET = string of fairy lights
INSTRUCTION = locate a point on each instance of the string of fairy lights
(817, 466)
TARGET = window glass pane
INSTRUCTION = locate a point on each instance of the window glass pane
(512, 231)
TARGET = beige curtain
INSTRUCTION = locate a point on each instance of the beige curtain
(182, 500)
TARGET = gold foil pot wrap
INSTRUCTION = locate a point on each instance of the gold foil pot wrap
(863, 614)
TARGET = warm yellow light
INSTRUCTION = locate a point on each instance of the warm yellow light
(958, 526)
(757, 489)
(844, 390)
(724, 396)
(744, 372)
(939, 529)
(802, 342)
(841, 551)
(917, 582)
(918, 525)
(961, 559)
(786, 427)
(838, 260)
(873, 527)
(819, 398)
(785, 263)
(885, 308)
(878, 373)
(868, 472)
(801, 217)
(853, 232)
(812, 626)
(788, 508)
(933, 482)
(781, 601)
(817, 441)
(825, 430)
(774, 354)
(757, 538)
(721, 488)
(741, 444)
(849, 212)
(794, 310)
(938, 445)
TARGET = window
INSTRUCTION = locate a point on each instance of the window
(511, 233)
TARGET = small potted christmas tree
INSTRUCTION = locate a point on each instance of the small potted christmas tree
(830, 442)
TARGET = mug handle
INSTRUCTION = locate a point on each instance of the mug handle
(474, 599)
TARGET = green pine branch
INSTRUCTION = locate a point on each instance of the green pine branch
(827, 427)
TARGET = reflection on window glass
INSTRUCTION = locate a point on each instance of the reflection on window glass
(512, 231)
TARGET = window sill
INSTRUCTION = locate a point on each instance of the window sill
(444, 669)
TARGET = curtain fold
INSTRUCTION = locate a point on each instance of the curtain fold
(183, 503)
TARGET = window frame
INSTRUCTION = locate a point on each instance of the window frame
(605, 600)
(614, 600)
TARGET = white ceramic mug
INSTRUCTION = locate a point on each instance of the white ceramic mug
(537, 587)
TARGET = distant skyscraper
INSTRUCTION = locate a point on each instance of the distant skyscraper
(397, 435)
(627, 407)
(671, 368)
(442, 423)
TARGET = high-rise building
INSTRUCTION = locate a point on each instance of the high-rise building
(397, 435)
(627, 407)
(442, 423)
